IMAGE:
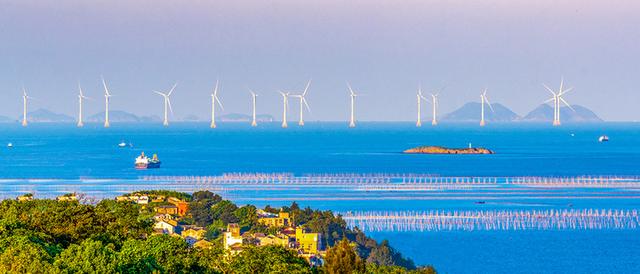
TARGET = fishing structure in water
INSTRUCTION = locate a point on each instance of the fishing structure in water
(470, 220)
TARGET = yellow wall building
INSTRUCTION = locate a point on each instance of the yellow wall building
(309, 243)
(282, 220)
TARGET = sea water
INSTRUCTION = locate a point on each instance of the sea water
(50, 159)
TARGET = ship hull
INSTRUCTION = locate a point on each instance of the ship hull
(148, 166)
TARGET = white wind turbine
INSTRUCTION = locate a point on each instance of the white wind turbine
(556, 99)
(434, 102)
(107, 95)
(420, 97)
(352, 120)
(253, 108)
(25, 99)
(214, 100)
(483, 100)
(303, 100)
(285, 106)
(81, 98)
(167, 104)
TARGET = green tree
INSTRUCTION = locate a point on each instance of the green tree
(90, 256)
(224, 211)
(384, 254)
(269, 259)
(342, 258)
(247, 216)
(134, 258)
(25, 256)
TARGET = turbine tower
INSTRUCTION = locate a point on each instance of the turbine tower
(483, 100)
(214, 100)
(434, 102)
(253, 108)
(285, 106)
(556, 99)
(81, 97)
(420, 97)
(167, 104)
(352, 120)
(25, 99)
(107, 95)
(303, 100)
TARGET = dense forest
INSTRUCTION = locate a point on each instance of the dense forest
(48, 236)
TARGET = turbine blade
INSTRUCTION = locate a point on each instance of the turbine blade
(160, 93)
(350, 89)
(550, 100)
(215, 98)
(215, 91)
(169, 103)
(305, 103)
(546, 87)
(565, 102)
(104, 84)
(306, 88)
(172, 88)
(565, 91)
(488, 103)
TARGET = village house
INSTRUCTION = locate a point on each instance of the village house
(25, 197)
(232, 239)
(192, 234)
(165, 227)
(282, 220)
(203, 244)
(161, 217)
(166, 209)
(279, 239)
(67, 197)
(308, 243)
(182, 206)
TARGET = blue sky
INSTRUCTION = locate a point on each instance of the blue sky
(384, 48)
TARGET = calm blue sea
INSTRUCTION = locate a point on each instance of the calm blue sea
(65, 153)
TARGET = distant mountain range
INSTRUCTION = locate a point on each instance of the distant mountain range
(5, 119)
(237, 117)
(119, 116)
(470, 112)
(544, 113)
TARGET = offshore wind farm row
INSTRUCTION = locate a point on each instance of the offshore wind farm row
(557, 100)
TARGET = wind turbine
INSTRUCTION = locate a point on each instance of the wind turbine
(167, 104)
(214, 100)
(253, 104)
(107, 95)
(303, 100)
(556, 99)
(434, 102)
(420, 97)
(484, 99)
(352, 121)
(81, 97)
(25, 98)
(285, 106)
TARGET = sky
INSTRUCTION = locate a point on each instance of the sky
(385, 49)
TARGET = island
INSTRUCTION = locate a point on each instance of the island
(444, 150)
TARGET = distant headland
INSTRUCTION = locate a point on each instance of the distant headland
(444, 150)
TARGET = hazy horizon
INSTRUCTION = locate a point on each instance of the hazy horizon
(384, 49)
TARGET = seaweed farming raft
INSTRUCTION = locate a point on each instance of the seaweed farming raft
(584, 219)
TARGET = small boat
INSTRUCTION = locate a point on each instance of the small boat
(144, 162)
(480, 202)
(10, 145)
(603, 138)
(122, 144)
